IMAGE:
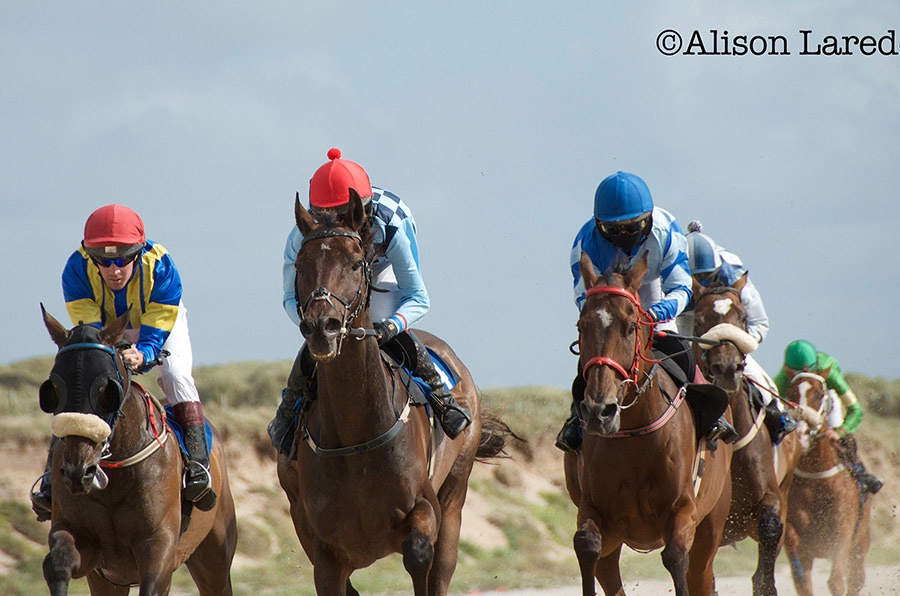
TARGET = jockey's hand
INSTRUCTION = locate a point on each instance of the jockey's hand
(386, 331)
(133, 357)
(833, 435)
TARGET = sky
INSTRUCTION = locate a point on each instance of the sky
(495, 120)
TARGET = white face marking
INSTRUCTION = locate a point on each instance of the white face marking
(723, 306)
(325, 247)
(605, 318)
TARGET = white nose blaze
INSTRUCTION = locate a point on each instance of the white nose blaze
(605, 318)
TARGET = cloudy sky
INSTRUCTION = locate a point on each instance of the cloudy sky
(494, 120)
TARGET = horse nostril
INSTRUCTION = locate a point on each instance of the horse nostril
(330, 326)
(90, 472)
(306, 327)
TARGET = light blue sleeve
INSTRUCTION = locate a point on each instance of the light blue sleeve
(403, 254)
(288, 273)
(675, 275)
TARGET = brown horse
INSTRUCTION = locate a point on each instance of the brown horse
(635, 480)
(761, 477)
(370, 476)
(828, 514)
(116, 491)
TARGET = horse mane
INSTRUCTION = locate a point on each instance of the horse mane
(330, 219)
(621, 265)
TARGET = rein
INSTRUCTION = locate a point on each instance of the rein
(153, 406)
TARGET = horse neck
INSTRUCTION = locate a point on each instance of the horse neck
(354, 394)
(132, 428)
(820, 456)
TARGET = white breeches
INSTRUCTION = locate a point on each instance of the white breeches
(175, 375)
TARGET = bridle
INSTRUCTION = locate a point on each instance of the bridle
(643, 318)
(824, 407)
(361, 298)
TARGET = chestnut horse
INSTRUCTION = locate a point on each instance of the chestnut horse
(635, 480)
(761, 477)
(116, 491)
(828, 515)
(370, 476)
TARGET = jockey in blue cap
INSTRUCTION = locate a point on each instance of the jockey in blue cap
(626, 223)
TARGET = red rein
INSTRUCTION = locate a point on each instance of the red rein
(643, 318)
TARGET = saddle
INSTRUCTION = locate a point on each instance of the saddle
(707, 401)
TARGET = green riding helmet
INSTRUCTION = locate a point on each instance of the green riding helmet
(800, 355)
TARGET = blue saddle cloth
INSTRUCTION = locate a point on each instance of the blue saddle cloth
(447, 375)
(179, 432)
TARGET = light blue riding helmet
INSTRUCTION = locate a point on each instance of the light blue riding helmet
(702, 254)
(622, 196)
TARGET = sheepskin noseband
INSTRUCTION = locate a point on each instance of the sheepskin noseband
(728, 332)
(88, 426)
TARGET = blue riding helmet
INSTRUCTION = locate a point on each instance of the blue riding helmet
(622, 196)
(703, 257)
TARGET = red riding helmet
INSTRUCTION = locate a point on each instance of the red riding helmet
(112, 232)
(330, 185)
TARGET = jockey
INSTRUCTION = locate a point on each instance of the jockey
(712, 265)
(802, 356)
(395, 268)
(627, 223)
(116, 270)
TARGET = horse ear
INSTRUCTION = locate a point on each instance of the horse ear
(636, 273)
(696, 289)
(58, 333)
(740, 283)
(356, 214)
(303, 217)
(587, 271)
(113, 332)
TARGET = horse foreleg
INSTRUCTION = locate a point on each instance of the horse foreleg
(607, 572)
(101, 587)
(587, 550)
(446, 550)
(769, 530)
(418, 547)
(329, 575)
(62, 562)
(675, 554)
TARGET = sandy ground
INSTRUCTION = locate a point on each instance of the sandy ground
(879, 581)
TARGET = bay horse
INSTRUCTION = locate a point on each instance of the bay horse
(635, 480)
(761, 476)
(828, 515)
(117, 513)
(367, 475)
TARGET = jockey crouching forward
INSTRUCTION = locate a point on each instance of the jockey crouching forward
(626, 223)
(395, 268)
(117, 270)
(712, 265)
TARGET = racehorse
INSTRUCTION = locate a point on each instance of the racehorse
(367, 475)
(828, 515)
(117, 514)
(761, 477)
(642, 477)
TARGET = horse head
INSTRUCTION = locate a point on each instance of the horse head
(84, 393)
(719, 317)
(815, 402)
(613, 332)
(333, 276)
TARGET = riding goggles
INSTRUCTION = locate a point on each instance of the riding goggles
(622, 228)
(120, 262)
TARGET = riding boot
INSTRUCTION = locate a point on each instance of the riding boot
(777, 422)
(300, 386)
(721, 429)
(197, 483)
(868, 481)
(454, 418)
(40, 499)
(569, 437)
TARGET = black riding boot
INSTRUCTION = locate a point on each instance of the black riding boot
(778, 423)
(300, 386)
(721, 429)
(569, 437)
(869, 482)
(40, 500)
(453, 417)
(197, 484)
